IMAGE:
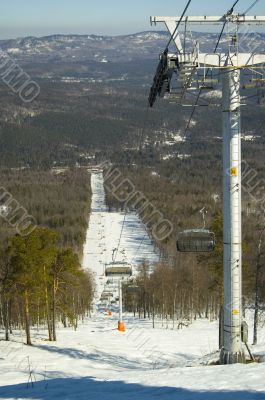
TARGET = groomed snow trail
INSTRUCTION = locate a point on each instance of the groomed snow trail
(107, 229)
(97, 362)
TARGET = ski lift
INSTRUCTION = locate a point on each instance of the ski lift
(118, 269)
(196, 240)
(162, 78)
(209, 80)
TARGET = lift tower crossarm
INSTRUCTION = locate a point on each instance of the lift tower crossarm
(221, 60)
(212, 19)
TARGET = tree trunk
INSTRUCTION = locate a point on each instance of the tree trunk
(144, 304)
(47, 306)
(38, 315)
(27, 318)
(207, 307)
(63, 318)
(174, 308)
(153, 310)
(256, 312)
(6, 319)
(54, 311)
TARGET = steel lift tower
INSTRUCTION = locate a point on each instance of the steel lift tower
(228, 64)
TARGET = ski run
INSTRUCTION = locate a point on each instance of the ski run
(98, 362)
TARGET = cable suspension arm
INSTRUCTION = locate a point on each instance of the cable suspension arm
(207, 72)
(175, 30)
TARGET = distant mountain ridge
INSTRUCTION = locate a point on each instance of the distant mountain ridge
(144, 45)
(84, 47)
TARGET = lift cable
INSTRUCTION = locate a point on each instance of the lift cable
(200, 91)
(250, 8)
(142, 132)
(119, 242)
(179, 22)
(207, 72)
(216, 47)
(230, 12)
(138, 249)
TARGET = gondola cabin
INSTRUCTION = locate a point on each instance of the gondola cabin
(196, 241)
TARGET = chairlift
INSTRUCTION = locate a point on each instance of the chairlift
(118, 269)
(209, 84)
(162, 78)
(196, 240)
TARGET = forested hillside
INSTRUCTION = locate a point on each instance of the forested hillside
(57, 200)
(41, 278)
(94, 103)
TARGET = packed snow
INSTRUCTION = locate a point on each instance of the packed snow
(98, 362)
(111, 230)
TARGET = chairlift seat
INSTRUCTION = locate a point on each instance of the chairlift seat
(196, 241)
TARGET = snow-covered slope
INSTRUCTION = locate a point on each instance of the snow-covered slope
(144, 363)
(98, 362)
(114, 230)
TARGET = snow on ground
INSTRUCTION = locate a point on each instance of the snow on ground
(249, 137)
(213, 94)
(173, 138)
(98, 362)
(113, 236)
(107, 229)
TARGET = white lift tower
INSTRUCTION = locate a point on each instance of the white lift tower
(185, 65)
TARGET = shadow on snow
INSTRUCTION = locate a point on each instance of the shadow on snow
(89, 388)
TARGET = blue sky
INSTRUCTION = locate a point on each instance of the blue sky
(33, 17)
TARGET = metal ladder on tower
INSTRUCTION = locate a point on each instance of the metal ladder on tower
(184, 81)
(188, 65)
